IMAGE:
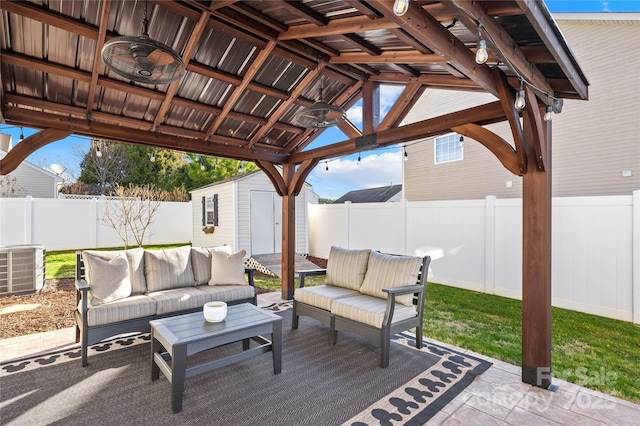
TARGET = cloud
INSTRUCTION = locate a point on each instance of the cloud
(388, 96)
(345, 174)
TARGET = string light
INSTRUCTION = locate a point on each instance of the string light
(520, 102)
(152, 158)
(549, 113)
(481, 48)
(21, 134)
(98, 151)
(358, 159)
(406, 155)
(326, 166)
(400, 7)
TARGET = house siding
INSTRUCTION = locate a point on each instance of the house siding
(34, 181)
(234, 210)
(593, 141)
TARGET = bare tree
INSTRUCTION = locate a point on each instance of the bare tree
(104, 164)
(130, 212)
(10, 188)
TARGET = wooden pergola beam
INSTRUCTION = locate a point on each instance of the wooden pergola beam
(428, 31)
(336, 27)
(494, 143)
(389, 57)
(141, 137)
(97, 56)
(481, 115)
(28, 146)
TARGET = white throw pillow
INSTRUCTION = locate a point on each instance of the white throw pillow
(201, 262)
(135, 257)
(346, 267)
(108, 279)
(387, 271)
(227, 269)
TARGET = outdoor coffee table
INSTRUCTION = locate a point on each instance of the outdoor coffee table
(176, 338)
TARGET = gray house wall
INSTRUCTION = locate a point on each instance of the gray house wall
(595, 142)
(33, 180)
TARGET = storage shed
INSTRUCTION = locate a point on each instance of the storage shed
(245, 212)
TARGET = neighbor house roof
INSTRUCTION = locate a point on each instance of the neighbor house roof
(371, 195)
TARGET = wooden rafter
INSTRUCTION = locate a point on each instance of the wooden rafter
(238, 91)
(400, 108)
(336, 27)
(97, 57)
(507, 101)
(505, 47)
(309, 78)
(536, 15)
(401, 56)
(189, 50)
(426, 29)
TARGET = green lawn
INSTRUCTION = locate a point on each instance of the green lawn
(594, 352)
(62, 264)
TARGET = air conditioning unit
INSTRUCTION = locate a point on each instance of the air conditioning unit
(22, 269)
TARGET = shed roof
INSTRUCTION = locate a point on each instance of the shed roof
(371, 195)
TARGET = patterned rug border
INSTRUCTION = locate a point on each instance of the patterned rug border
(413, 403)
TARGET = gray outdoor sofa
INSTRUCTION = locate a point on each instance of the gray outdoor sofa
(369, 293)
(120, 291)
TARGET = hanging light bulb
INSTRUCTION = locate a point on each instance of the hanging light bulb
(461, 143)
(326, 166)
(152, 158)
(358, 159)
(520, 102)
(21, 134)
(549, 113)
(406, 156)
(481, 51)
(400, 7)
(98, 151)
(201, 165)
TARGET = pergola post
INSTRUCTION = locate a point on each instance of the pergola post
(288, 183)
(288, 235)
(536, 251)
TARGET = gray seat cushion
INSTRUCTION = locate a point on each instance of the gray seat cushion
(121, 310)
(321, 296)
(369, 310)
(227, 293)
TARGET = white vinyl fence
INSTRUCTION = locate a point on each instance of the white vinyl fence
(477, 245)
(67, 224)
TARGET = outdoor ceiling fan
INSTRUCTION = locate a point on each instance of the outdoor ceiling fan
(321, 114)
(142, 59)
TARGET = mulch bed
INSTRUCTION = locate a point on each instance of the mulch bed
(56, 301)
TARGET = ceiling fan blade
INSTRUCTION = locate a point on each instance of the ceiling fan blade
(160, 57)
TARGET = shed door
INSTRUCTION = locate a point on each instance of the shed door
(266, 227)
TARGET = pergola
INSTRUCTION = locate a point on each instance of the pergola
(252, 65)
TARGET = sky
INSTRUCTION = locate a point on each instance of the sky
(332, 178)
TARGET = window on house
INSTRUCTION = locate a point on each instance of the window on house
(448, 148)
(210, 210)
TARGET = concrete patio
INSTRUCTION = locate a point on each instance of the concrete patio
(497, 397)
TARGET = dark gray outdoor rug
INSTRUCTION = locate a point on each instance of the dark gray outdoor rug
(320, 384)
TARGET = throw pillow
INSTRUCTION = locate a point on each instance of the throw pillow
(135, 257)
(168, 268)
(346, 268)
(108, 279)
(201, 262)
(227, 269)
(387, 271)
